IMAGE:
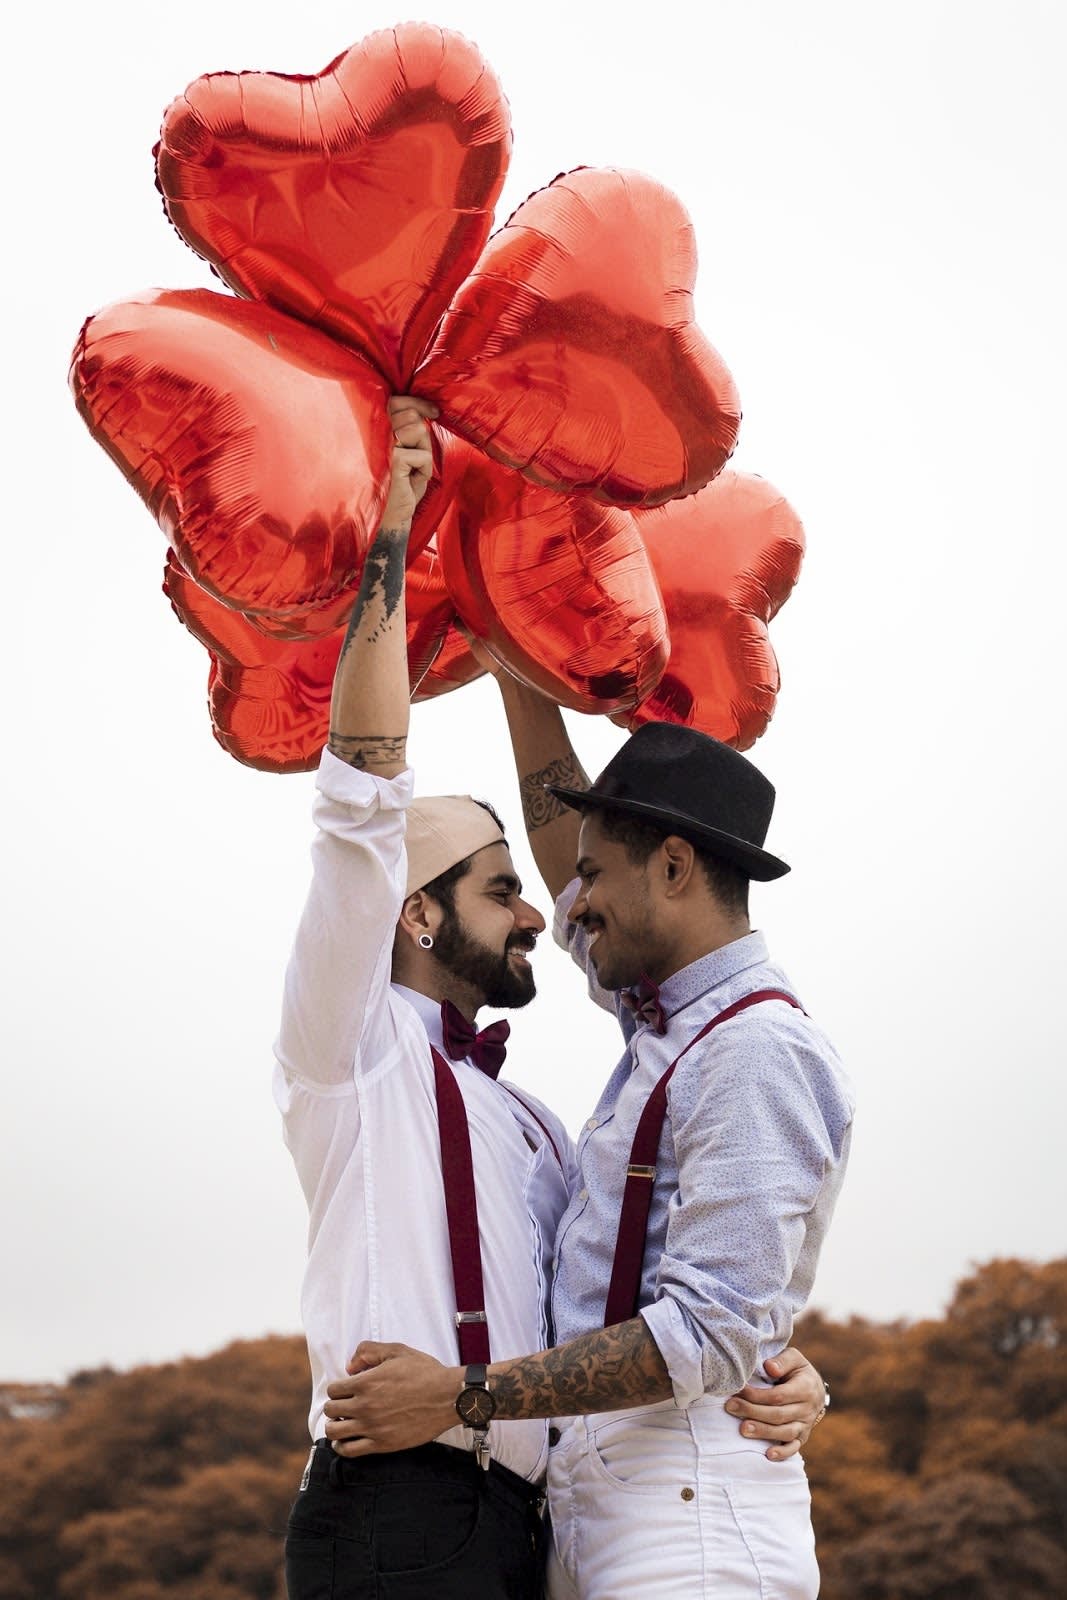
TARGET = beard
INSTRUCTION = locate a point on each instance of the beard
(503, 986)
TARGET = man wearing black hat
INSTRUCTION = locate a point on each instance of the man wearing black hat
(708, 1174)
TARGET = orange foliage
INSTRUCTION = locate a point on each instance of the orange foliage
(940, 1472)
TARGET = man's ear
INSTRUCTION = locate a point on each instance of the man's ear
(678, 863)
(419, 914)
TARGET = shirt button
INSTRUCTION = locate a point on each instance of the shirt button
(583, 1194)
(554, 1436)
(688, 1494)
(591, 1124)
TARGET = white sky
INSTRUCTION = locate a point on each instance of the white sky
(877, 195)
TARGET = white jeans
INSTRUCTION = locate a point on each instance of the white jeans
(663, 1502)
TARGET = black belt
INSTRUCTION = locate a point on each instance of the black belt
(426, 1461)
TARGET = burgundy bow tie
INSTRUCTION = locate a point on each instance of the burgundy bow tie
(462, 1040)
(644, 1002)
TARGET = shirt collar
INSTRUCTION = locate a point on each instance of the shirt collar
(429, 1011)
(708, 972)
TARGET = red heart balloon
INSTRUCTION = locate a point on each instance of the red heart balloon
(261, 446)
(269, 698)
(726, 560)
(358, 199)
(560, 590)
(571, 353)
(439, 658)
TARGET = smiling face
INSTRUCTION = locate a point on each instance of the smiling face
(484, 941)
(617, 905)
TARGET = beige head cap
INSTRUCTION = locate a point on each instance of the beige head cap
(443, 830)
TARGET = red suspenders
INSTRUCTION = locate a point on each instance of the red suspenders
(641, 1172)
(461, 1209)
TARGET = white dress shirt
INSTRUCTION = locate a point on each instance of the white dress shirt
(355, 1085)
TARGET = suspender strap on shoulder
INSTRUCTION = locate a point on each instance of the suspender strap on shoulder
(625, 1285)
(461, 1211)
(515, 1095)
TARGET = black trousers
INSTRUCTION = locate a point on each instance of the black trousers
(418, 1523)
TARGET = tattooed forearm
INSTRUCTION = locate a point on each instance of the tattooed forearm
(365, 750)
(608, 1370)
(539, 807)
(382, 581)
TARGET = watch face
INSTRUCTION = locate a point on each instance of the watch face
(476, 1407)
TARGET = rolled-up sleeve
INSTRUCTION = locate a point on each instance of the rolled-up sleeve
(340, 964)
(758, 1140)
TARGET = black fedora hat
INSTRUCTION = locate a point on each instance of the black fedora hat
(692, 785)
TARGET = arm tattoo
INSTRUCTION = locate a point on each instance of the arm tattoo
(538, 806)
(608, 1370)
(383, 578)
(365, 750)
(382, 585)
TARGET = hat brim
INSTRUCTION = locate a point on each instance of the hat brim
(759, 864)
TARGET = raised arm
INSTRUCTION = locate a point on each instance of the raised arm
(370, 710)
(543, 754)
(339, 964)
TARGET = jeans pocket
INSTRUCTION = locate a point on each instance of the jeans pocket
(309, 1564)
(424, 1527)
(645, 1457)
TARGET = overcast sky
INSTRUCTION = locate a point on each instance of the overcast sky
(877, 195)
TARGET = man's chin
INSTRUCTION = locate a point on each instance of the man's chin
(513, 995)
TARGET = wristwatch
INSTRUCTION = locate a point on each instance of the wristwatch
(476, 1408)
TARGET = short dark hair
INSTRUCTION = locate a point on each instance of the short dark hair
(729, 884)
(443, 887)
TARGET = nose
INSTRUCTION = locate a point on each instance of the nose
(528, 916)
(577, 908)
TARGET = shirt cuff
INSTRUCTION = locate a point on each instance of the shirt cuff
(349, 786)
(681, 1352)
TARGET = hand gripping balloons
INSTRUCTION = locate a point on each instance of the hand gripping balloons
(726, 559)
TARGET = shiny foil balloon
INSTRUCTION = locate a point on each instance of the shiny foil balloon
(439, 658)
(726, 560)
(358, 199)
(571, 354)
(560, 590)
(261, 446)
(269, 698)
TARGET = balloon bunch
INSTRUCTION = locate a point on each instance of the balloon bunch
(579, 521)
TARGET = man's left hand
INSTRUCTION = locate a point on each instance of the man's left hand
(785, 1413)
(393, 1399)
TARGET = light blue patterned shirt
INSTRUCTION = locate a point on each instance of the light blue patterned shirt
(753, 1151)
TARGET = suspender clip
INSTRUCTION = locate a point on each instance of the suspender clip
(640, 1172)
(470, 1316)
